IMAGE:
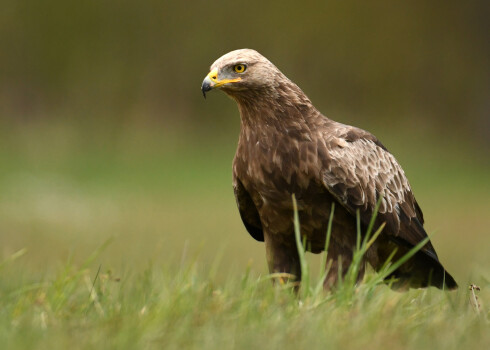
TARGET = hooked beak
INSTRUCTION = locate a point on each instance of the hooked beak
(211, 81)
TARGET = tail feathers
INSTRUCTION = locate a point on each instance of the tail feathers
(422, 271)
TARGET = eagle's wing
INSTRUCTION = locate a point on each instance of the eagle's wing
(359, 169)
(248, 211)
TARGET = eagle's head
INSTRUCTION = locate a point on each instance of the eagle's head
(242, 71)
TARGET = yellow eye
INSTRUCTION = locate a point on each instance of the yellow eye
(239, 68)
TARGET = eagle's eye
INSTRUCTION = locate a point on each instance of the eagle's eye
(239, 68)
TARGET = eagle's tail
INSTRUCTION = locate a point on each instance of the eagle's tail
(422, 271)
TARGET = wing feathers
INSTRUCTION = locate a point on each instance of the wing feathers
(248, 211)
(362, 170)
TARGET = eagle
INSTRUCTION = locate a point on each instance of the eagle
(287, 147)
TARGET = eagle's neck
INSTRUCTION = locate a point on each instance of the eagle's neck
(280, 109)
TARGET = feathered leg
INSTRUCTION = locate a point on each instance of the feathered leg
(338, 265)
(282, 258)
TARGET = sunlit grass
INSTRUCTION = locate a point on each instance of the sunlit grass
(187, 307)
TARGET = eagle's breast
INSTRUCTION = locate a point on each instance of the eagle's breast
(272, 166)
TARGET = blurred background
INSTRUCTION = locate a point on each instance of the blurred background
(104, 132)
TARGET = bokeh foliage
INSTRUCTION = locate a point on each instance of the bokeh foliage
(425, 62)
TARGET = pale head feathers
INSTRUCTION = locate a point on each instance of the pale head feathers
(261, 81)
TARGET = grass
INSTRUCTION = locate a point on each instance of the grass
(80, 307)
(188, 307)
(135, 242)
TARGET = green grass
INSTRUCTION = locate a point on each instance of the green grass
(179, 269)
(187, 307)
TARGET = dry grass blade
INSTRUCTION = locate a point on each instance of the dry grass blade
(474, 298)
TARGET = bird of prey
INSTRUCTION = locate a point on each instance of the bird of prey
(286, 146)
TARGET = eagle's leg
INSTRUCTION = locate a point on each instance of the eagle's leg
(338, 265)
(282, 258)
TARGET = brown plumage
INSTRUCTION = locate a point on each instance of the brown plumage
(286, 146)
